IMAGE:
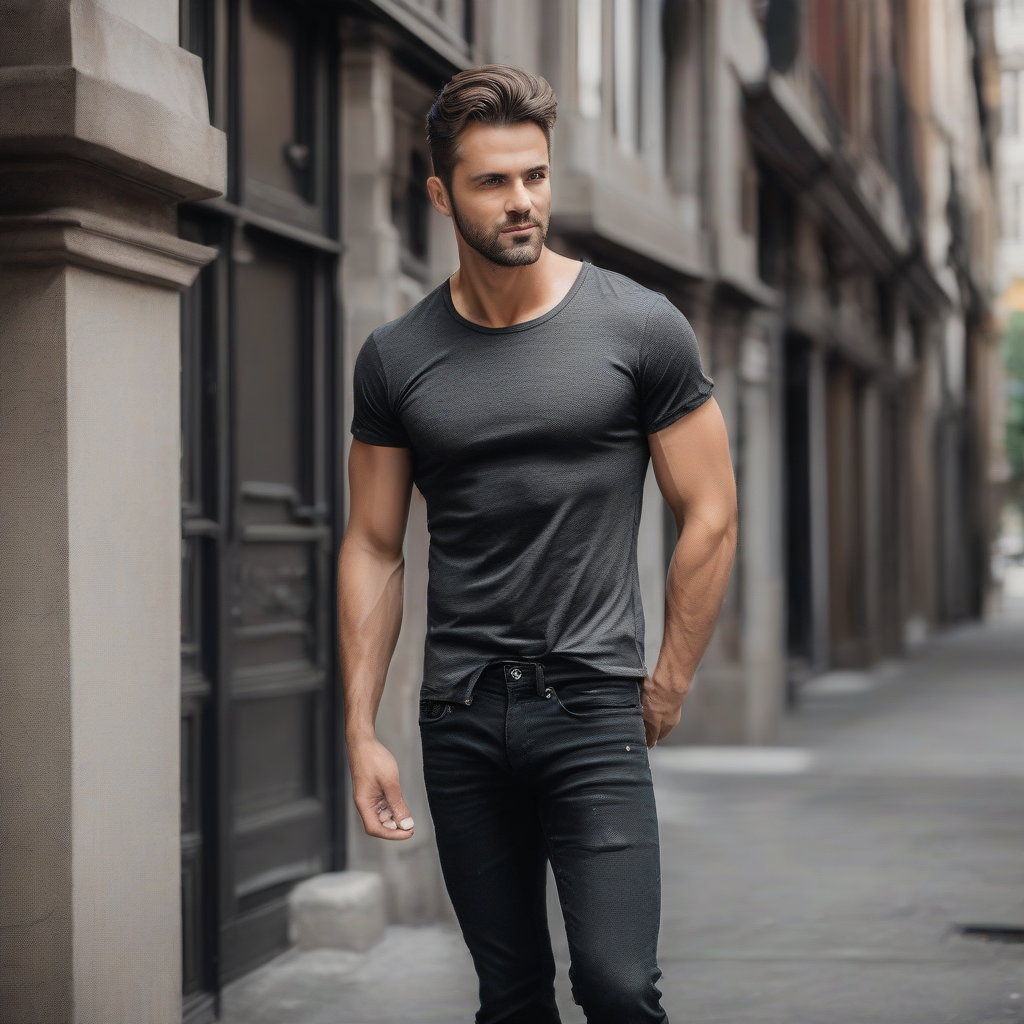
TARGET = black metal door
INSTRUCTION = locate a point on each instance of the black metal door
(259, 495)
(799, 604)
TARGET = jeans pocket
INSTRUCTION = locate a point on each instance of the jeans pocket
(596, 701)
(433, 711)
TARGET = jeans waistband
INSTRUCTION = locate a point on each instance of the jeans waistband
(517, 676)
(540, 678)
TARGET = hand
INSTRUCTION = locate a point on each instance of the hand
(663, 706)
(376, 791)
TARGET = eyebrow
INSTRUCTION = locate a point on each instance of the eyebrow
(483, 176)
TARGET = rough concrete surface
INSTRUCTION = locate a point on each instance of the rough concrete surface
(827, 894)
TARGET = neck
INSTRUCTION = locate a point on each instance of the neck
(496, 296)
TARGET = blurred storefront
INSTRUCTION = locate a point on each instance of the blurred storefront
(811, 183)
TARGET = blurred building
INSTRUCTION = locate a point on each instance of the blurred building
(1008, 423)
(1009, 23)
(810, 181)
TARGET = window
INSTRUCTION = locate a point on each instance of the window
(1013, 211)
(588, 56)
(626, 39)
(748, 185)
(683, 107)
(1010, 86)
(411, 212)
(1013, 9)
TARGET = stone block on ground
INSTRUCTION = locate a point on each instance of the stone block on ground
(338, 910)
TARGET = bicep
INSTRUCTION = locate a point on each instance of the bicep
(380, 486)
(693, 467)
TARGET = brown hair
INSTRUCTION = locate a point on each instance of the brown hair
(495, 94)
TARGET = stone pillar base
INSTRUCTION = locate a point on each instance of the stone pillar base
(340, 910)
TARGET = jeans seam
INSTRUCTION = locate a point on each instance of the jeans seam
(598, 712)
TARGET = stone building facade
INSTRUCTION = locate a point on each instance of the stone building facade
(810, 181)
(1009, 22)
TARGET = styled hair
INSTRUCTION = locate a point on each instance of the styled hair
(494, 94)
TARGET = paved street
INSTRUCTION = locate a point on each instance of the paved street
(819, 882)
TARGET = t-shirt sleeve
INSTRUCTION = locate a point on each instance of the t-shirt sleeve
(670, 376)
(373, 418)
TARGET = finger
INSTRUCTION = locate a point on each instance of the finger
(374, 812)
(652, 730)
(373, 826)
(399, 808)
(371, 823)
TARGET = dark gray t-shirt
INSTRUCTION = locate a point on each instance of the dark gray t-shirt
(529, 444)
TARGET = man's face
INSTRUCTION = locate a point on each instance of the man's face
(500, 197)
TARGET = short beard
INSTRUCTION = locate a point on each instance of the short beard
(488, 243)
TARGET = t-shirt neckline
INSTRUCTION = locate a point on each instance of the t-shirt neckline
(526, 325)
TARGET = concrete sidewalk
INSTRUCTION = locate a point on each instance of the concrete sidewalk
(820, 882)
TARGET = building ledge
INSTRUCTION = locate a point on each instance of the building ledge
(590, 206)
(425, 27)
(88, 239)
(142, 117)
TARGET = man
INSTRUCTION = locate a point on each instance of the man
(524, 397)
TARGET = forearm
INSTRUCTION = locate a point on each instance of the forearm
(370, 586)
(694, 593)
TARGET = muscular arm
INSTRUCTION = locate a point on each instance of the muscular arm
(693, 469)
(370, 575)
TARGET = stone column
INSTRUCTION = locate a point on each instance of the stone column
(103, 129)
(873, 511)
(817, 417)
(763, 618)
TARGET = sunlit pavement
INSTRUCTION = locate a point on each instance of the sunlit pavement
(819, 882)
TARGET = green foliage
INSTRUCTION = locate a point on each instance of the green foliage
(1013, 359)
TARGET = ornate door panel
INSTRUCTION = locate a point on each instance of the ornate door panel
(259, 779)
(280, 592)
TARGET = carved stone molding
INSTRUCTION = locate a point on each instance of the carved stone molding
(104, 243)
(104, 128)
(77, 80)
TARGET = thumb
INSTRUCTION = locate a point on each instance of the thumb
(399, 808)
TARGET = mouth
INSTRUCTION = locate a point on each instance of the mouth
(519, 229)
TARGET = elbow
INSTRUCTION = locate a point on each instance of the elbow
(362, 545)
(732, 536)
(727, 526)
(721, 521)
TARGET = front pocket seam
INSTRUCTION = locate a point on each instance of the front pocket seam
(595, 712)
(424, 720)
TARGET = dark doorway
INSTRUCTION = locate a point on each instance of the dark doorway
(259, 495)
(799, 604)
(847, 573)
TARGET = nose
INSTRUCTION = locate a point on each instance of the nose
(519, 198)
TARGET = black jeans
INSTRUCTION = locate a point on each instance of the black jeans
(529, 772)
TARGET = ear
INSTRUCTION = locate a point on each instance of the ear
(438, 195)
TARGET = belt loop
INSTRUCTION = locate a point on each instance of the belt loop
(541, 689)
